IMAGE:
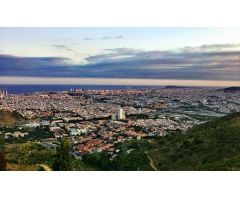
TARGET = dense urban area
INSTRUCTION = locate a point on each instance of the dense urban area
(96, 121)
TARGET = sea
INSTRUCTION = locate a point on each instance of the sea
(23, 89)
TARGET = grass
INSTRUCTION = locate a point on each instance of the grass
(27, 156)
(211, 146)
(32, 156)
(201, 117)
(8, 118)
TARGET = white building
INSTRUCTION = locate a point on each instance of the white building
(119, 116)
(75, 132)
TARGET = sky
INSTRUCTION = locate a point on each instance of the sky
(77, 55)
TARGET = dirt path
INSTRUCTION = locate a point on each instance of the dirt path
(152, 163)
(45, 167)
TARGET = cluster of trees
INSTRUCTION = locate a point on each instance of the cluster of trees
(3, 164)
(210, 146)
(124, 161)
(26, 156)
(62, 157)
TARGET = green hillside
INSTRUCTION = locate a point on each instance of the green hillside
(211, 146)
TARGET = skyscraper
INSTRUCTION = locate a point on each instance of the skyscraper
(3, 93)
(121, 114)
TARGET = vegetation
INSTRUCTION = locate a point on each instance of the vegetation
(3, 164)
(27, 156)
(8, 118)
(64, 161)
(136, 160)
(211, 146)
(35, 157)
(62, 157)
(79, 165)
(98, 161)
(202, 117)
(132, 160)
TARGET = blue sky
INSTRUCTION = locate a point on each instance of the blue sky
(150, 53)
(38, 41)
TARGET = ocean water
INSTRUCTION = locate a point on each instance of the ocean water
(20, 89)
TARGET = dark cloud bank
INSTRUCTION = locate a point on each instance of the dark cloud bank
(208, 62)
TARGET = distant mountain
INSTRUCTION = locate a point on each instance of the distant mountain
(231, 89)
(214, 145)
(175, 87)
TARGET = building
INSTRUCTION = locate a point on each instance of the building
(75, 132)
(119, 116)
(3, 93)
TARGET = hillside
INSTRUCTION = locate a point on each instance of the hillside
(231, 89)
(31, 156)
(211, 146)
(8, 118)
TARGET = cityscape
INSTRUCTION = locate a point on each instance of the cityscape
(119, 100)
(110, 99)
(95, 121)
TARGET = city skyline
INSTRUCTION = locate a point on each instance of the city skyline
(151, 56)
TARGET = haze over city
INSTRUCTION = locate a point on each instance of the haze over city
(115, 56)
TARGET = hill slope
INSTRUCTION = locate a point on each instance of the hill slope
(231, 89)
(211, 146)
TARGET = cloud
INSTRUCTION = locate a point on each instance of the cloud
(212, 47)
(62, 47)
(105, 38)
(113, 54)
(112, 37)
(87, 38)
(59, 46)
(208, 62)
(118, 36)
(31, 66)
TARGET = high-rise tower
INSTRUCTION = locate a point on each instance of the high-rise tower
(1, 93)
(121, 114)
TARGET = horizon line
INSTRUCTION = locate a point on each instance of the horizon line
(12, 80)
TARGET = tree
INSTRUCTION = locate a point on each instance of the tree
(99, 160)
(62, 159)
(3, 164)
